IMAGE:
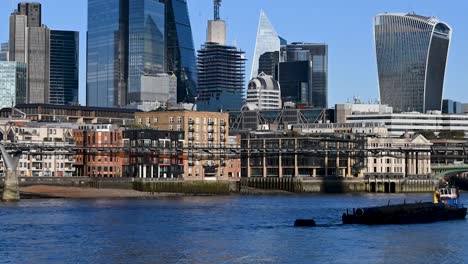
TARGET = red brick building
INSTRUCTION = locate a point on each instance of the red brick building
(98, 151)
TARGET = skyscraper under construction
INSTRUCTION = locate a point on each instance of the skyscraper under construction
(221, 70)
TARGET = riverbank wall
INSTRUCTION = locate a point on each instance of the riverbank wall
(242, 186)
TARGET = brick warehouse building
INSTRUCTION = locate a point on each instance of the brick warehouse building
(98, 151)
(206, 145)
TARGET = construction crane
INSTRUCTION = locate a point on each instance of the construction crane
(217, 5)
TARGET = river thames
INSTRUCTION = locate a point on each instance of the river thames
(232, 229)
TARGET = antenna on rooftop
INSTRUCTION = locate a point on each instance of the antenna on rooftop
(217, 5)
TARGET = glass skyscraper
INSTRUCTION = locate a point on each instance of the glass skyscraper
(64, 67)
(13, 83)
(132, 39)
(267, 41)
(146, 44)
(180, 52)
(307, 80)
(107, 57)
(412, 53)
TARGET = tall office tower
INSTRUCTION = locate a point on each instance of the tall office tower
(221, 70)
(38, 62)
(303, 74)
(18, 43)
(29, 43)
(267, 41)
(13, 83)
(146, 46)
(107, 53)
(64, 67)
(33, 11)
(4, 52)
(412, 53)
(180, 52)
(267, 63)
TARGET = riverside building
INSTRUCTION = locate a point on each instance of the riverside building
(100, 152)
(277, 154)
(153, 153)
(398, 157)
(205, 140)
(51, 151)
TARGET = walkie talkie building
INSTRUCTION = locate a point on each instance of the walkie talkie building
(412, 53)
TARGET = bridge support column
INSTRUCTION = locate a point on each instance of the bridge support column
(11, 187)
(11, 183)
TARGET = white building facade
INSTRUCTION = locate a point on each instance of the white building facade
(264, 93)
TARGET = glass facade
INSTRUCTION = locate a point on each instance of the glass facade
(314, 89)
(146, 44)
(64, 67)
(13, 83)
(107, 57)
(294, 81)
(412, 55)
(267, 63)
(180, 56)
(267, 41)
(4, 52)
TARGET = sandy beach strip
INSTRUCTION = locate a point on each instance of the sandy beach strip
(44, 191)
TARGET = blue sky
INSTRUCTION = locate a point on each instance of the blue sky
(345, 25)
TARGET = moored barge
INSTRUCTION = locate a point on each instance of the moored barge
(445, 207)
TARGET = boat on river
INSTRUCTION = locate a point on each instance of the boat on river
(445, 207)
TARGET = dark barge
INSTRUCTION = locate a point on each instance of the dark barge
(417, 213)
(445, 207)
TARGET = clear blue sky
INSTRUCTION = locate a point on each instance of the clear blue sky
(345, 25)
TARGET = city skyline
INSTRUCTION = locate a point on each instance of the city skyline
(346, 80)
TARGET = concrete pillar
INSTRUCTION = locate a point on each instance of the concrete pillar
(152, 171)
(280, 164)
(11, 187)
(326, 164)
(349, 167)
(337, 165)
(144, 171)
(314, 172)
(296, 164)
(140, 171)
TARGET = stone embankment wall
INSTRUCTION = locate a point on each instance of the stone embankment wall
(244, 186)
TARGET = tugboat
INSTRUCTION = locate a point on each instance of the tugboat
(446, 207)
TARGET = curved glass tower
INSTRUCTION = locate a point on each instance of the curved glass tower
(412, 56)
